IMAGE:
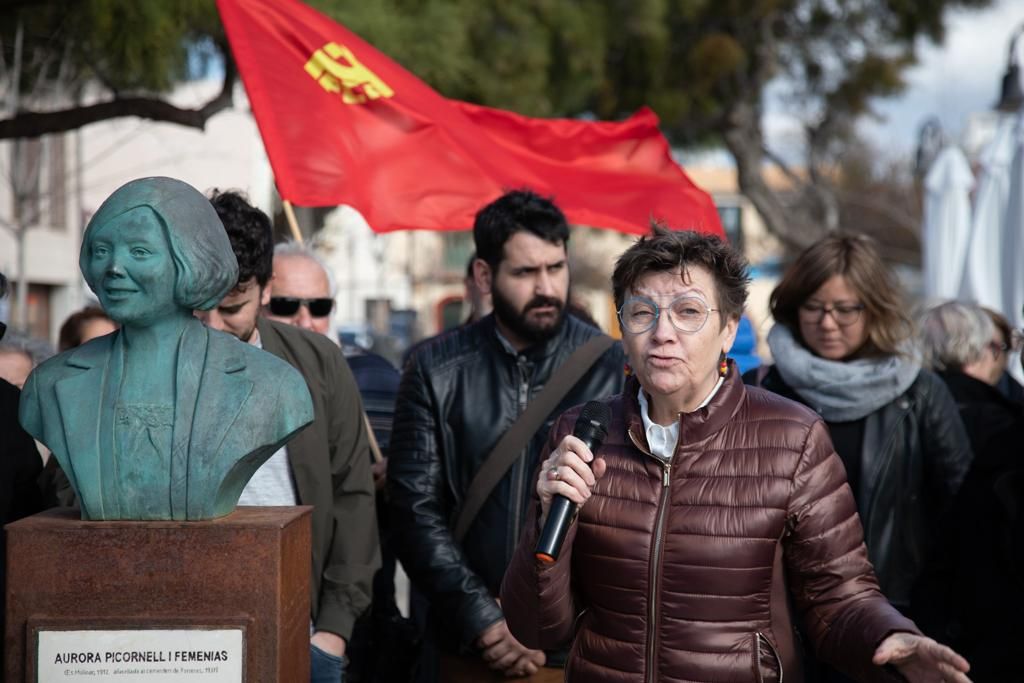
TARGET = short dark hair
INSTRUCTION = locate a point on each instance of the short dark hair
(250, 233)
(517, 211)
(70, 334)
(667, 250)
(856, 258)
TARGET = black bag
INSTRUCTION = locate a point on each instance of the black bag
(384, 648)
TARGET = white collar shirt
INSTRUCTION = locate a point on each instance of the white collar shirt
(662, 439)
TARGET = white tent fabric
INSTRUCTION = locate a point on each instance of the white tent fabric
(947, 223)
(982, 278)
(1013, 240)
(993, 274)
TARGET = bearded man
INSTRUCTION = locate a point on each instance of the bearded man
(459, 394)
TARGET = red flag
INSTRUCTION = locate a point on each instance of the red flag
(344, 124)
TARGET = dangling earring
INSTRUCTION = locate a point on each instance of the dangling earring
(723, 365)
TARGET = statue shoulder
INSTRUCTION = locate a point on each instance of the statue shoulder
(93, 353)
(270, 374)
(233, 354)
(38, 404)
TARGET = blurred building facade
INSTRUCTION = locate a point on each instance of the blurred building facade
(40, 228)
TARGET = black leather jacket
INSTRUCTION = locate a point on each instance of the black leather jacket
(914, 458)
(459, 393)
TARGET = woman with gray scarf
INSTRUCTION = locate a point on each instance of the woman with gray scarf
(842, 346)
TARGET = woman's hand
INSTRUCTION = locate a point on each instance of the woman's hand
(571, 471)
(921, 659)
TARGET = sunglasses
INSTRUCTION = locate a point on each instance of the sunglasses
(286, 306)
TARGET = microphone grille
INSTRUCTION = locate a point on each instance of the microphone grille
(596, 412)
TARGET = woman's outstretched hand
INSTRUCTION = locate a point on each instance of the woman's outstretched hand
(922, 660)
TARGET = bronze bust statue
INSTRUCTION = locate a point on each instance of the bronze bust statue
(164, 418)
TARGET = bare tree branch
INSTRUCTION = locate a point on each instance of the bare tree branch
(901, 219)
(781, 164)
(34, 124)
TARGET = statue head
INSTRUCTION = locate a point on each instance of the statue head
(156, 246)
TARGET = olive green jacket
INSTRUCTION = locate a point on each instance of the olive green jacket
(330, 464)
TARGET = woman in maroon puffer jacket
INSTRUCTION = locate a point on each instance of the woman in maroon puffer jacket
(714, 516)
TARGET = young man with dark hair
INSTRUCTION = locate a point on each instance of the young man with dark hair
(459, 394)
(327, 465)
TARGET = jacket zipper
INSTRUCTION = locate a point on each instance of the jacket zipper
(655, 574)
(520, 477)
(881, 468)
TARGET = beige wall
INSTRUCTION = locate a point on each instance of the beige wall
(101, 157)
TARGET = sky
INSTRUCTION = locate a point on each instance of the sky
(954, 80)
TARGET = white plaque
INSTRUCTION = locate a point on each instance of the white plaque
(164, 655)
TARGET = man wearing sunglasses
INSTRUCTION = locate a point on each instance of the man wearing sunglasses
(302, 295)
(327, 465)
(302, 289)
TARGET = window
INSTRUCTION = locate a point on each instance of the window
(26, 163)
(40, 181)
(458, 246)
(56, 190)
(450, 312)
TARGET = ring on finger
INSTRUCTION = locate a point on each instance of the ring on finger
(553, 472)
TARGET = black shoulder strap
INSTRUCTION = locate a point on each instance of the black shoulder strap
(514, 440)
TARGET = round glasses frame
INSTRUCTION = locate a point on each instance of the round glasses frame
(843, 315)
(999, 348)
(635, 324)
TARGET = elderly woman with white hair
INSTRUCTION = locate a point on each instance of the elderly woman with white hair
(962, 344)
(971, 595)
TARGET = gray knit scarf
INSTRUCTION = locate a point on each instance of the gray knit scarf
(840, 391)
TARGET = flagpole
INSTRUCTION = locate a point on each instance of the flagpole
(289, 213)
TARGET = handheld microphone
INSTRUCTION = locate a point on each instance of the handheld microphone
(591, 428)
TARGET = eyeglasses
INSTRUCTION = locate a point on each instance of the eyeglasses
(639, 314)
(997, 348)
(286, 306)
(844, 314)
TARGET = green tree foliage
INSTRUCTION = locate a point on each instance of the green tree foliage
(127, 45)
(128, 52)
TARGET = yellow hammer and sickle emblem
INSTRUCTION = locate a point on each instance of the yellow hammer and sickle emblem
(337, 70)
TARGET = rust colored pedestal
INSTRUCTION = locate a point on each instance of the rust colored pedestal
(249, 570)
